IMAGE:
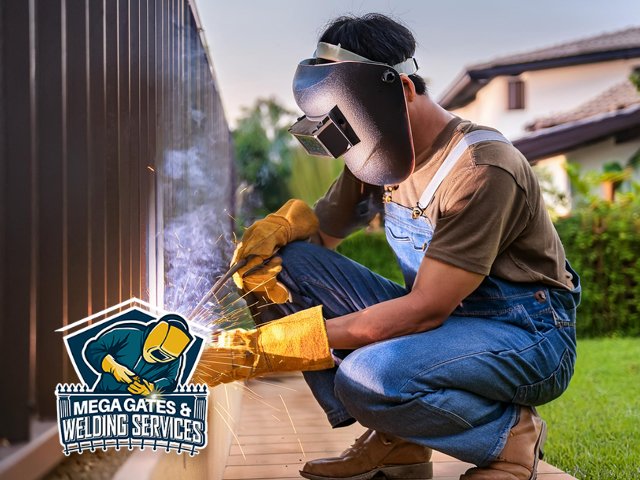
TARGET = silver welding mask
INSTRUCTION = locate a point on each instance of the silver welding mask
(355, 108)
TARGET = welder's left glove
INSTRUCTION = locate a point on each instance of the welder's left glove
(295, 220)
(141, 387)
(296, 342)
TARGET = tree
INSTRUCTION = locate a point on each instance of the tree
(263, 149)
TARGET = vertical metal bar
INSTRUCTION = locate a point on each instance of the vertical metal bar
(162, 75)
(77, 166)
(112, 206)
(143, 144)
(152, 129)
(134, 148)
(15, 211)
(124, 139)
(97, 158)
(51, 268)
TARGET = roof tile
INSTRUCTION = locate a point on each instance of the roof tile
(618, 97)
(618, 40)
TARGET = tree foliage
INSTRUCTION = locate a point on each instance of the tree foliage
(264, 152)
(272, 166)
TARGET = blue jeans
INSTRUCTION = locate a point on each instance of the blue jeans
(455, 388)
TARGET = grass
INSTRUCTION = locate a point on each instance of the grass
(594, 428)
(373, 251)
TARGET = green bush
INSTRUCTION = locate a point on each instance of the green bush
(311, 177)
(372, 250)
(602, 242)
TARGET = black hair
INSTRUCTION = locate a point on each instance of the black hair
(376, 37)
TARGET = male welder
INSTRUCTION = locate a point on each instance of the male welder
(139, 358)
(484, 328)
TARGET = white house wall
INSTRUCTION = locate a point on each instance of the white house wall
(552, 170)
(593, 157)
(546, 92)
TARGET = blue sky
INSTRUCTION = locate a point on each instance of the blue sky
(256, 45)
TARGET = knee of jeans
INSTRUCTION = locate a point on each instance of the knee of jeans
(297, 258)
(297, 250)
(362, 382)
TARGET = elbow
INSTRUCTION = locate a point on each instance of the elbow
(424, 313)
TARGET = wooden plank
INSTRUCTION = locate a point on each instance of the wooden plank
(270, 449)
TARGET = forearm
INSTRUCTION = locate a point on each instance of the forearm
(438, 289)
(390, 319)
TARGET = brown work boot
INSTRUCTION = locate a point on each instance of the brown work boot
(374, 452)
(519, 458)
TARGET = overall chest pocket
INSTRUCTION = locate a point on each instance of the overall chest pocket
(405, 238)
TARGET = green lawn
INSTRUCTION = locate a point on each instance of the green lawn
(594, 428)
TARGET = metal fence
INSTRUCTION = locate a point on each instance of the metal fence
(113, 143)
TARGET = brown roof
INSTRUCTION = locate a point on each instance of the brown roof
(616, 112)
(619, 97)
(607, 46)
(619, 40)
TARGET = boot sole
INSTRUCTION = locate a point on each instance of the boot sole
(414, 471)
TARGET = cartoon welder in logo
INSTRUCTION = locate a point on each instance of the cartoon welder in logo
(139, 358)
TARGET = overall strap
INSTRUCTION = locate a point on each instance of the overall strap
(456, 152)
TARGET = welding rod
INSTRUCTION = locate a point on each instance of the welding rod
(217, 286)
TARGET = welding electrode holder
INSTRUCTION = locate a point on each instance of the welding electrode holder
(218, 286)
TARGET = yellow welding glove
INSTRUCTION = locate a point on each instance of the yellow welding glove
(121, 373)
(295, 220)
(141, 387)
(263, 279)
(296, 342)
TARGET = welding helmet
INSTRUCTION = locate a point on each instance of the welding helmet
(166, 339)
(355, 108)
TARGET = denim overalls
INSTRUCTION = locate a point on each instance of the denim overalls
(454, 388)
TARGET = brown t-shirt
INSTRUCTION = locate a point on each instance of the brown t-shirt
(489, 215)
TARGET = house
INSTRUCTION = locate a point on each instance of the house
(571, 102)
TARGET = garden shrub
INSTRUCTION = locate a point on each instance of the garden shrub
(372, 250)
(602, 242)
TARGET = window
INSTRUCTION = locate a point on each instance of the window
(516, 94)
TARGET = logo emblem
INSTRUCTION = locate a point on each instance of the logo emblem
(135, 392)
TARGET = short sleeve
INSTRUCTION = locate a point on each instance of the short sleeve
(488, 211)
(349, 204)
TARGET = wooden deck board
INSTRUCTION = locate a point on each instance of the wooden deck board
(281, 427)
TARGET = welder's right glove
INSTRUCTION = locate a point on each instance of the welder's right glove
(295, 220)
(296, 342)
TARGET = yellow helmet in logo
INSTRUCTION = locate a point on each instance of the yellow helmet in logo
(167, 340)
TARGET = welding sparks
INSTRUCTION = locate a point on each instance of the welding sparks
(275, 385)
(232, 432)
(304, 455)
(290, 419)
